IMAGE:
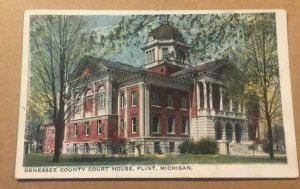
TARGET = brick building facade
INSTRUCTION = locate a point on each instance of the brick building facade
(156, 106)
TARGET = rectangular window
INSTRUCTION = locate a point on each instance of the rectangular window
(100, 127)
(171, 124)
(87, 128)
(155, 124)
(156, 100)
(133, 98)
(132, 147)
(184, 102)
(122, 126)
(172, 146)
(75, 129)
(165, 53)
(157, 147)
(133, 125)
(184, 125)
(170, 101)
(122, 103)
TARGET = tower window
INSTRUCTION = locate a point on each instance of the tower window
(165, 53)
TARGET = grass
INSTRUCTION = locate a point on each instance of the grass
(71, 160)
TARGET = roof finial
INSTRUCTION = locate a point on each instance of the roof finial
(164, 19)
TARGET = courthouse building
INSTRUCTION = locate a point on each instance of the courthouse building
(159, 105)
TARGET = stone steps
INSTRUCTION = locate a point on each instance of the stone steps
(245, 149)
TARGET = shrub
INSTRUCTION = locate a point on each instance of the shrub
(184, 147)
(208, 146)
(204, 146)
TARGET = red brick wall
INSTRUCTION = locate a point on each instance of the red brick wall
(108, 129)
(164, 112)
(49, 139)
(164, 69)
(133, 112)
(112, 127)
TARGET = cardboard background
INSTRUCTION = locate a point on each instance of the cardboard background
(11, 30)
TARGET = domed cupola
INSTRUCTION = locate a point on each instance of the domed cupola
(166, 46)
(166, 32)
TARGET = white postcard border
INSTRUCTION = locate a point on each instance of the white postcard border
(289, 170)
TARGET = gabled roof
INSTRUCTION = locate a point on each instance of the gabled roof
(92, 64)
(203, 67)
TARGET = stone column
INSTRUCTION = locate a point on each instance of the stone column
(244, 109)
(240, 108)
(198, 96)
(221, 98)
(230, 105)
(118, 111)
(126, 112)
(147, 110)
(204, 94)
(141, 109)
(210, 96)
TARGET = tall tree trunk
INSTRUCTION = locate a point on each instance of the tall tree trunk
(37, 139)
(59, 133)
(270, 136)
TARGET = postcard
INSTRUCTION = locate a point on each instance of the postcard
(156, 94)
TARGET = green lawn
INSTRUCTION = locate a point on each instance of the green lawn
(71, 160)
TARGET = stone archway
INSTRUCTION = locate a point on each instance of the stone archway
(218, 130)
(238, 132)
(228, 131)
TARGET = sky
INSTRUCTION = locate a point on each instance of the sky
(104, 24)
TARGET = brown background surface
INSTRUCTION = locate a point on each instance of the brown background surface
(11, 30)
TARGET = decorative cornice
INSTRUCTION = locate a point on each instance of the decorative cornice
(155, 76)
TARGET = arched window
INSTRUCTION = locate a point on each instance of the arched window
(89, 100)
(238, 132)
(219, 130)
(101, 98)
(228, 130)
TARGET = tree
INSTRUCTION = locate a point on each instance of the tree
(35, 121)
(256, 58)
(209, 36)
(57, 44)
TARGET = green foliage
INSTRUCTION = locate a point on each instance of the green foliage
(203, 146)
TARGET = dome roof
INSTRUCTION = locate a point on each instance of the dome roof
(166, 32)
